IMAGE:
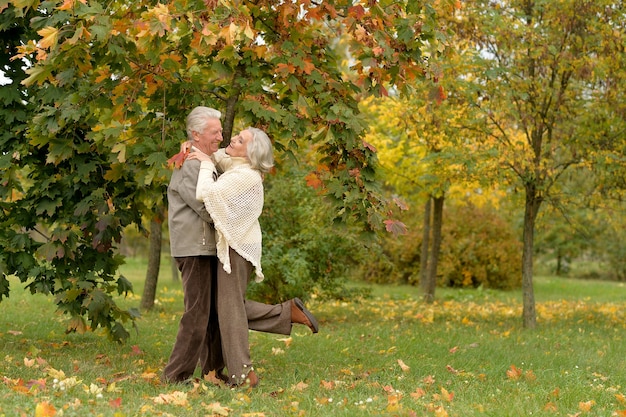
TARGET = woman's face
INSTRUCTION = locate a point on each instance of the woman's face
(239, 144)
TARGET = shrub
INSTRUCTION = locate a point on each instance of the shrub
(478, 249)
(304, 253)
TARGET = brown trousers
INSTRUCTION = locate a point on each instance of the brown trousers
(198, 337)
(236, 315)
(209, 293)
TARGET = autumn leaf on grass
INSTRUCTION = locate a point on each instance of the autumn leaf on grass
(116, 403)
(620, 398)
(174, 398)
(300, 386)
(586, 406)
(327, 384)
(216, 409)
(393, 402)
(45, 409)
(514, 372)
(403, 366)
(452, 370)
(429, 380)
(287, 341)
(550, 406)
(418, 393)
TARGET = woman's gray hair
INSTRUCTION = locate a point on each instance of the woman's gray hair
(198, 118)
(260, 152)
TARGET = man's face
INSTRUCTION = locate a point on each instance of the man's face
(208, 141)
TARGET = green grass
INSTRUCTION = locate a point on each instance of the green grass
(467, 355)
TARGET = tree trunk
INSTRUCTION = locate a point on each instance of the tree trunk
(231, 102)
(425, 243)
(533, 201)
(154, 263)
(431, 280)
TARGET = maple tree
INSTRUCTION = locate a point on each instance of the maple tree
(546, 80)
(108, 87)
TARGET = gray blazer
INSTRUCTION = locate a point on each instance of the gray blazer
(190, 225)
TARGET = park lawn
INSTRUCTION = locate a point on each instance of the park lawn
(390, 355)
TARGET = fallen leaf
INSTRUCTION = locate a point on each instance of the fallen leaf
(451, 369)
(116, 403)
(586, 406)
(429, 380)
(327, 384)
(514, 372)
(287, 341)
(45, 409)
(403, 366)
(217, 409)
(454, 349)
(620, 398)
(419, 393)
(447, 396)
(550, 406)
(14, 332)
(300, 386)
(174, 398)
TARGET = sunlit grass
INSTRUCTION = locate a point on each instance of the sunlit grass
(465, 355)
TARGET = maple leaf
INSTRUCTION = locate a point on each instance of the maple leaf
(49, 36)
(586, 406)
(395, 226)
(313, 181)
(300, 386)
(217, 409)
(174, 398)
(45, 409)
(514, 372)
(419, 393)
(178, 159)
(116, 403)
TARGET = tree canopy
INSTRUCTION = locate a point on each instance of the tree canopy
(106, 90)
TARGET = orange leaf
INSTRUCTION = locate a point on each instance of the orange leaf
(419, 393)
(451, 369)
(45, 409)
(313, 181)
(514, 372)
(178, 159)
(620, 398)
(116, 403)
(586, 405)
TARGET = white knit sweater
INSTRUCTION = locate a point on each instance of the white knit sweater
(235, 202)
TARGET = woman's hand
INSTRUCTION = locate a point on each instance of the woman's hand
(199, 155)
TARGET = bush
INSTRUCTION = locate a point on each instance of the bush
(304, 253)
(478, 249)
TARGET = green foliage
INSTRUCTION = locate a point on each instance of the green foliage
(479, 249)
(305, 253)
(105, 95)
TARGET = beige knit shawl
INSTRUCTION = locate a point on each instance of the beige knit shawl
(235, 202)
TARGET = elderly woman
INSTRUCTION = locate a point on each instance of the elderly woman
(235, 202)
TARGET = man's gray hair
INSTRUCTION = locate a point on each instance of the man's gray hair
(260, 152)
(198, 118)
